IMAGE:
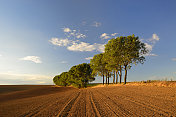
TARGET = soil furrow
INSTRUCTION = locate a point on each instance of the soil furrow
(104, 107)
(53, 106)
(97, 114)
(122, 111)
(64, 112)
(78, 108)
(142, 103)
(158, 110)
(46, 105)
(108, 101)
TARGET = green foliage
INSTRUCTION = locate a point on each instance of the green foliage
(98, 64)
(78, 76)
(61, 79)
(81, 74)
(120, 54)
(56, 80)
(124, 51)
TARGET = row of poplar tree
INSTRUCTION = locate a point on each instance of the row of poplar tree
(119, 55)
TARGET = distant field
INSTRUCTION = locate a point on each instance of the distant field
(13, 88)
(122, 100)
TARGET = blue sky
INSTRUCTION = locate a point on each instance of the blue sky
(40, 39)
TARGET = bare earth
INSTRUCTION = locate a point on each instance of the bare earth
(20, 101)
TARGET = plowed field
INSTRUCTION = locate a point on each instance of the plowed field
(110, 101)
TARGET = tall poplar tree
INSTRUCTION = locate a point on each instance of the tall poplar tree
(98, 65)
(132, 53)
(123, 51)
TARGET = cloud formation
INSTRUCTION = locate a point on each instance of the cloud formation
(82, 46)
(114, 34)
(77, 45)
(66, 30)
(154, 38)
(60, 42)
(107, 36)
(73, 33)
(88, 58)
(151, 43)
(34, 59)
(149, 47)
(104, 36)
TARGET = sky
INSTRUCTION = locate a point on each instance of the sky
(43, 38)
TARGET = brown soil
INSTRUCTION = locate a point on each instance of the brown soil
(100, 101)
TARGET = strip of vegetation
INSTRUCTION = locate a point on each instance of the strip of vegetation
(118, 56)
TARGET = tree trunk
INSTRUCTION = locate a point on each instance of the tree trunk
(116, 77)
(106, 78)
(125, 77)
(120, 74)
(103, 79)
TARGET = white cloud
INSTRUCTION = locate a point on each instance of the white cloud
(114, 34)
(148, 47)
(88, 58)
(99, 47)
(154, 38)
(73, 33)
(0, 55)
(79, 35)
(60, 42)
(34, 59)
(96, 24)
(151, 43)
(66, 29)
(16, 78)
(104, 36)
(107, 36)
(82, 46)
(77, 45)
(173, 59)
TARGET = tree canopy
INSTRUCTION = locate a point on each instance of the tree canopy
(120, 54)
(79, 76)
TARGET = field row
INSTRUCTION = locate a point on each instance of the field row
(90, 102)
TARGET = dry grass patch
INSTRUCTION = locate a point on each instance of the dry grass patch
(142, 83)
